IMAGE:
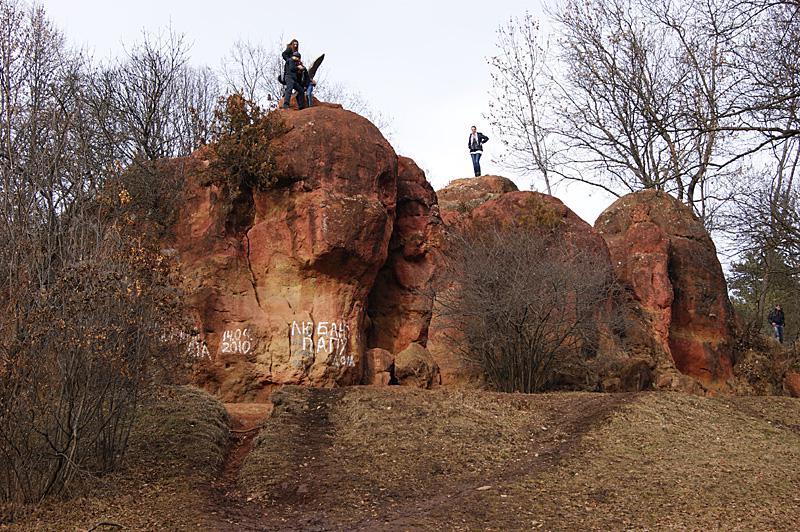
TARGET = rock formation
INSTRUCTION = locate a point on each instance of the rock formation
(294, 284)
(400, 302)
(327, 277)
(792, 384)
(461, 196)
(665, 257)
(280, 278)
(490, 201)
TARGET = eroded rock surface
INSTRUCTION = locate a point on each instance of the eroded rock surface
(665, 257)
(401, 301)
(280, 278)
(489, 202)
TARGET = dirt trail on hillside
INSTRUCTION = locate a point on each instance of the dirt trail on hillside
(229, 508)
(367, 459)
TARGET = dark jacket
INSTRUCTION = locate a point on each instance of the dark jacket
(303, 78)
(776, 316)
(290, 72)
(476, 146)
(287, 54)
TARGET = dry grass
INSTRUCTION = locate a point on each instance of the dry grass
(676, 462)
(365, 458)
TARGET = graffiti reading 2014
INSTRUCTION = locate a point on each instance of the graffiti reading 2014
(327, 337)
(236, 341)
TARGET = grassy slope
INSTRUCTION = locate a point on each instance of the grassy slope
(406, 459)
(368, 458)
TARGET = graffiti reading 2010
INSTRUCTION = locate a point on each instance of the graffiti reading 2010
(236, 341)
(329, 337)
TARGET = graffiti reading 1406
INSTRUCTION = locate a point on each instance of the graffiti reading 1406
(328, 337)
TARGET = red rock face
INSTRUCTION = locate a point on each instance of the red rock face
(280, 278)
(792, 383)
(667, 259)
(461, 196)
(401, 301)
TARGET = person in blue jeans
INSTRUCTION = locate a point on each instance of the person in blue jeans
(307, 82)
(475, 144)
(776, 320)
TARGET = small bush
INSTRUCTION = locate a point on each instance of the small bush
(151, 196)
(243, 135)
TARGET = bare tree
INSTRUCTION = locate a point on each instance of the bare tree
(519, 94)
(520, 304)
(200, 93)
(138, 99)
(763, 226)
(252, 70)
(645, 86)
(87, 303)
(764, 112)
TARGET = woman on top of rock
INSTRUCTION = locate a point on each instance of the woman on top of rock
(292, 47)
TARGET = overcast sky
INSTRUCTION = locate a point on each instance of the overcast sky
(420, 63)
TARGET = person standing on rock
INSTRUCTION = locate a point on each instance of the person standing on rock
(291, 76)
(306, 82)
(776, 320)
(475, 145)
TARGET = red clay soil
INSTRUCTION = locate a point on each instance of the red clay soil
(229, 508)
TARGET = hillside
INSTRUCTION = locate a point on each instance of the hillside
(367, 458)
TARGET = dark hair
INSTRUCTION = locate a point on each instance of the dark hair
(475, 127)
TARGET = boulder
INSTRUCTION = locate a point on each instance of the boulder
(279, 278)
(461, 196)
(378, 367)
(414, 366)
(489, 202)
(667, 260)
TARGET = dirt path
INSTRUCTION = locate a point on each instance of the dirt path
(569, 422)
(230, 509)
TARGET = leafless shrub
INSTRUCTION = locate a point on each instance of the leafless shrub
(151, 104)
(252, 70)
(519, 304)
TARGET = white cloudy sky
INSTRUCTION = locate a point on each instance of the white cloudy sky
(421, 63)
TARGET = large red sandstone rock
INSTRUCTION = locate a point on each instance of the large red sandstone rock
(280, 278)
(378, 367)
(461, 196)
(662, 252)
(401, 301)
